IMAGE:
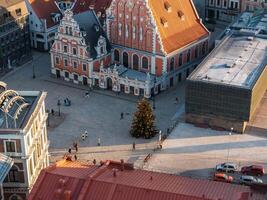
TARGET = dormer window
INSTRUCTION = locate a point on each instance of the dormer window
(101, 47)
(18, 12)
(167, 6)
(181, 14)
(163, 21)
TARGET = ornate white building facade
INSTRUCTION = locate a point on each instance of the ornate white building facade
(23, 137)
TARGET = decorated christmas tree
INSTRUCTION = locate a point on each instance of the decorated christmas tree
(143, 121)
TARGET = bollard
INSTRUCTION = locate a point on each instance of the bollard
(98, 143)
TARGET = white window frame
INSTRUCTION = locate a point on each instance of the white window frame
(6, 146)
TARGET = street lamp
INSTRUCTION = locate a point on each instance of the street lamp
(58, 104)
(230, 133)
(154, 96)
(33, 71)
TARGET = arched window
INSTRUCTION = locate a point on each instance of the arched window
(13, 175)
(188, 56)
(116, 55)
(144, 63)
(125, 60)
(180, 59)
(135, 62)
(15, 197)
(172, 64)
(196, 52)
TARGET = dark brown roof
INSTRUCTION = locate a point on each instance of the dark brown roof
(44, 9)
(97, 5)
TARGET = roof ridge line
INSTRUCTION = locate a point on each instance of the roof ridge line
(93, 175)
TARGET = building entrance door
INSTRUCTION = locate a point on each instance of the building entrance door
(109, 83)
(171, 82)
(85, 81)
(57, 73)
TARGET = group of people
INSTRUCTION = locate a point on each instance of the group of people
(75, 146)
(84, 135)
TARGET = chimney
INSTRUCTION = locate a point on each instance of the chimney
(67, 195)
(57, 194)
(62, 182)
(122, 165)
(114, 172)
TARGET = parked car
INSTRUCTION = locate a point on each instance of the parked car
(249, 180)
(227, 167)
(254, 170)
(223, 177)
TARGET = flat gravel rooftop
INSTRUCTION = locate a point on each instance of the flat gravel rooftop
(238, 60)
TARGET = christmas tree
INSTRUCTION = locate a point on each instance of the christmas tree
(143, 121)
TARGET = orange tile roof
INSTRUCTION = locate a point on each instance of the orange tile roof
(43, 9)
(183, 25)
(114, 182)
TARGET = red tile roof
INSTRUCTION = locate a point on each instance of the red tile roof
(112, 181)
(97, 5)
(44, 9)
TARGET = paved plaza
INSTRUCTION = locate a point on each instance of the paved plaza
(194, 152)
(99, 114)
(188, 151)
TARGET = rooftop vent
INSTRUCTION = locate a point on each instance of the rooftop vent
(163, 21)
(96, 27)
(250, 38)
(167, 6)
(180, 14)
(207, 77)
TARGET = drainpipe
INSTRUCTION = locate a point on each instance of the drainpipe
(2, 192)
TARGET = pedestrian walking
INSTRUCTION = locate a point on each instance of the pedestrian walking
(133, 145)
(52, 111)
(70, 150)
(75, 157)
(121, 115)
(94, 161)
(87, 94)
(75, 145)
(177, 100)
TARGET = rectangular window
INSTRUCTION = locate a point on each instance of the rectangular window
(65, 49)
(75, 64)
(57, 60)
(84, 67)
(74, 51)
(65, 62)
(10, 146)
